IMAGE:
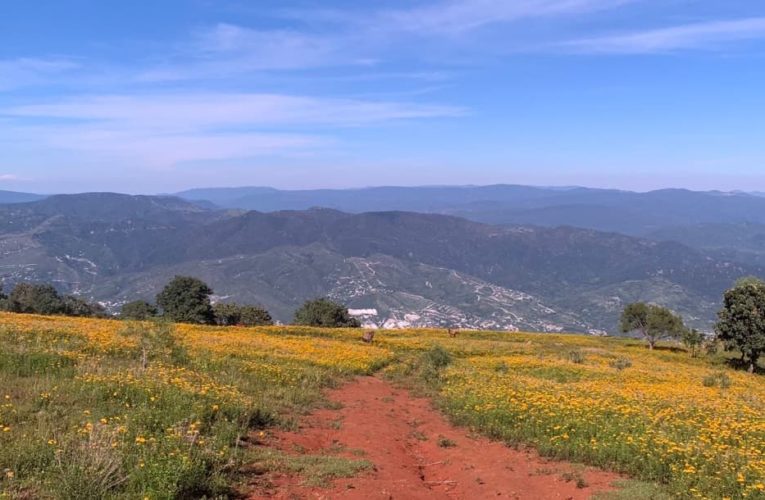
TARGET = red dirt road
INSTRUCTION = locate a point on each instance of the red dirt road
(399, 434)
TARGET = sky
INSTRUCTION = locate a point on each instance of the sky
(154, 96)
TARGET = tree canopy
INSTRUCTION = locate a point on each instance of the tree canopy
(186, 300)
(741, 323)
(324, 312)
(652, 322)
(230, 314)
(139, 310)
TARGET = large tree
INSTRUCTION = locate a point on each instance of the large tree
(741, 322)
(186, 300)
(324, 312)
(36, 299)
(652, 322)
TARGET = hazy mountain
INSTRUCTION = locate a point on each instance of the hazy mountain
(421, 269)
(14, 197)
(689, 217)
(601, 209)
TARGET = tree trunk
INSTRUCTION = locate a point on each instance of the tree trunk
(751, 367)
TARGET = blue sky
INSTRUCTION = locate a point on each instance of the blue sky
(150, 96)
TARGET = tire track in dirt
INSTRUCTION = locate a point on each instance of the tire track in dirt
(418, 454)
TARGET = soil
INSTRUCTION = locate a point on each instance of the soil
(417, 454)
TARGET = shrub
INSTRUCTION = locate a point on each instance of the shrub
(692, 340)
(720, 379)
(230, 314)
(155, 340)
(324, 312)
(576, 357)
(621, 363)
(138, 310)
(445, 442)
(438, 357)
(502, 367)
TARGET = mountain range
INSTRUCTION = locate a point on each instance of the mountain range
(392, 267)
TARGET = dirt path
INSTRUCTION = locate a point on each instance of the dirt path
(400, 435)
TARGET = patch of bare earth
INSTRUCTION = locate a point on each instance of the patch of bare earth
(417, 454)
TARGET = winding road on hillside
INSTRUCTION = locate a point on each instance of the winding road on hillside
(417, 454)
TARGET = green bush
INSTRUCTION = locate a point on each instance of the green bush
(576, 357)
(324, 312)
(720, 379)
(621, 363)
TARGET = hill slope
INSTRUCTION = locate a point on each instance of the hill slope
(413, 269)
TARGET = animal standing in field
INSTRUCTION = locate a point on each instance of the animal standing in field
(368, 336)
(453, 333)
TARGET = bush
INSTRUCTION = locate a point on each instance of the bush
(437, 357)
(576, 357)
(138, 310)
(235, 314)
(324, 312)
(621, 363)
(720, 379)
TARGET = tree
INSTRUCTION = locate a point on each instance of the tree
(229, 314)
(138, 310)
(226, 314)
(741, 322)
(652, 322)
(75, 306)
(255, 316)
(186, 300)
(36, 299)
(4, 304)
(324, 312)
(692, 340)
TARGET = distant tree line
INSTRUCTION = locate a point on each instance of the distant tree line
(184, 300)
(188, 300)
(32, 298)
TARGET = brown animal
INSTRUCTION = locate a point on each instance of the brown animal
(368, 336)
(453, 333)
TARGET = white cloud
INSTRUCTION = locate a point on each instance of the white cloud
(9, 177)
(708, 35)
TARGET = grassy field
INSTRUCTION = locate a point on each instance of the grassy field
(108, 409)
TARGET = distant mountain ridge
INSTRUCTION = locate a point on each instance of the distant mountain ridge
(666, 215)
(16, 197)
(411, 268)
(625, 212)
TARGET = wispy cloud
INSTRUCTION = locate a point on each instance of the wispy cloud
(169, 129)
(226, 49)
(707, 35)
(21, 72)
(460, 16)
(9, 177)
(214, 110)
